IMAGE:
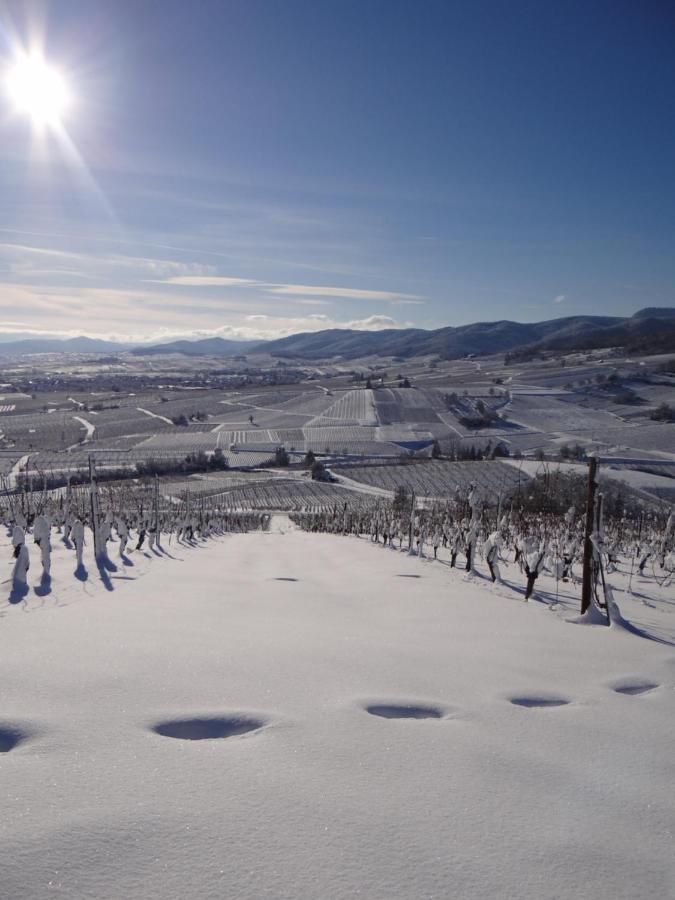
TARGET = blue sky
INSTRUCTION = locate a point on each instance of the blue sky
(252, 169)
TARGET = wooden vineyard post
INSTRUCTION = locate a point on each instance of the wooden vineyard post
(99, 552)
(634, 553)
(588, 544)
(156, 515)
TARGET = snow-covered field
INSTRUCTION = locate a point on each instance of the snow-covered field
(544, 766)
(352, 407)
(545, 413)
(437, 478)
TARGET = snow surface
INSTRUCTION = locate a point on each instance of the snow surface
(153, 415)
(88, 425)
(282, 640)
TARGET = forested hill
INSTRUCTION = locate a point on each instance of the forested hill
(655, 325)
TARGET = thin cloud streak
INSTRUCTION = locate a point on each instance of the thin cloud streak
(308, 290)
(21, 258)
(293, 290)
(206, 281)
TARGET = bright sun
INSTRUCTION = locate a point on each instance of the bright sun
(37, 90)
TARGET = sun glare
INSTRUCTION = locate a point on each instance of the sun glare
(37, 90)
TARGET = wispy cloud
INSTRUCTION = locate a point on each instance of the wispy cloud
(375, 323)
(311, 302)
(309, 290)
(26, 261)
(23, 261)
(13, 250)
(560, 298)
(206, 281)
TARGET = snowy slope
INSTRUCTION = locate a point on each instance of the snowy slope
(498, 797)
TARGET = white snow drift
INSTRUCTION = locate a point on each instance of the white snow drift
(303, 716)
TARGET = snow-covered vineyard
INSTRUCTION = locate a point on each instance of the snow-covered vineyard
(465, 507)
(440, 479)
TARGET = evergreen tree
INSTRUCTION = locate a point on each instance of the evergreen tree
(281, 457)
(318, 470)
(219, 460)
(401, 500)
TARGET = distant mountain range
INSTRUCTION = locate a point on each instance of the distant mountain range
(649, 330)
(53, 345)
(572, 333)
(206, 347)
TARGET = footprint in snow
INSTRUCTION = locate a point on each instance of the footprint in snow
(209, 728)
(10, 737)
(541, 701)
(633, 687)
(404, 711)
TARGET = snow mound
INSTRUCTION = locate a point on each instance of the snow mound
(592, 616)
